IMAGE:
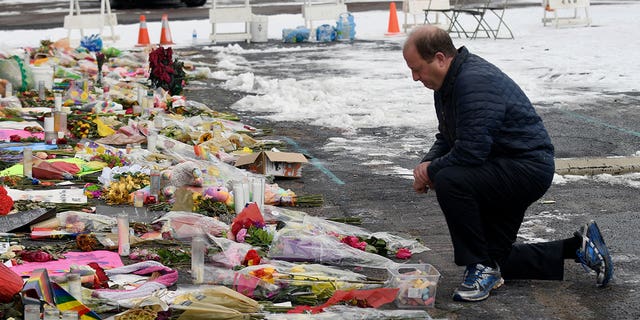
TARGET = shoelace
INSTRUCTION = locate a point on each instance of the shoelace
(471, 278)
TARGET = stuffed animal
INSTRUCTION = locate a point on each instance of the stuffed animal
(219, 194)
(187, 173)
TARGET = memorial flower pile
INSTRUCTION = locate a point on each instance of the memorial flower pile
(264, 251)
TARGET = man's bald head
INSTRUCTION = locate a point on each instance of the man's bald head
(428, 40)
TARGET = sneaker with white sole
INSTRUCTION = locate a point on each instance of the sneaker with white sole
(479, 280)
(594, 254)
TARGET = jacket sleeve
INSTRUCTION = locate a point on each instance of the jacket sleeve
(439, 148)
(480, 111)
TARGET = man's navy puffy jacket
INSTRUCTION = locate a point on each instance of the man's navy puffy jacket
(483, 115)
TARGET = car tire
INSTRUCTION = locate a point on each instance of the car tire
(121, 4)
(194, 3)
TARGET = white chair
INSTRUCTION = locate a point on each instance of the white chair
(76, 20)
(233, 16)
(566, 6)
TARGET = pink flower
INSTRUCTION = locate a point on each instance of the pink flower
(353, 241)
(403, 253)
(241, 235)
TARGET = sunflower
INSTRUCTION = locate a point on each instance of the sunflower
(205, 137)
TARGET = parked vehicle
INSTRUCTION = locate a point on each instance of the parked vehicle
(138, 3)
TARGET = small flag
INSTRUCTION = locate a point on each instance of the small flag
(38, 287)
(41, 288)
(65, 301)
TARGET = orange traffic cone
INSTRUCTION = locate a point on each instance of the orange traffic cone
(143, 33)
(394, 28)
(165, 35)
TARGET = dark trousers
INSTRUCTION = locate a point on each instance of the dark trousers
(484, 207)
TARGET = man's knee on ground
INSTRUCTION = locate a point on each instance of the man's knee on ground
(450, 179)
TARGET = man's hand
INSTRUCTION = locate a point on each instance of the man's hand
(421, 182)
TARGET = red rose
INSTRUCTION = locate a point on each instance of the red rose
(14, 138)
(251, 259)
(403, 253)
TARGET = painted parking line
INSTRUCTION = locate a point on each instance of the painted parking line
(600, 122)
(314, 161)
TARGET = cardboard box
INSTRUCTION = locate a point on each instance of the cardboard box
(277, 164)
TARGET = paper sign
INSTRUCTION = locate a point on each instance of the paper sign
(55, 195)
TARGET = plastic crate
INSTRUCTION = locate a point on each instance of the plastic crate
(417, 283)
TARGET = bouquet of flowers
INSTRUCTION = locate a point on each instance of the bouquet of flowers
(165, 72)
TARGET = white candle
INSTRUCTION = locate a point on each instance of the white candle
(198, 250)
(152, 141)
(27, 162)
(257, 190)
(48, 124)
(238, 196)
(123, 234)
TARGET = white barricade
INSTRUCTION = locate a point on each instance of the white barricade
(319, 11)
(554, 7)
(233, 16)
(76, 20)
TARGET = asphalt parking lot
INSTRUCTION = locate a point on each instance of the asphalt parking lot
(605, 126)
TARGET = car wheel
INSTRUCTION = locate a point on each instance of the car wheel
(194, 3)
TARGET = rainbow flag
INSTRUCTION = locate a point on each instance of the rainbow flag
(65, 301)
(38, 287)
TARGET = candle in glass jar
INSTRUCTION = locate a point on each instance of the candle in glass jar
(123, 234)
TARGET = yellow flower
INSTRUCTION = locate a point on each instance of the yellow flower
(205, 137)
(265, 274)
(297, 269)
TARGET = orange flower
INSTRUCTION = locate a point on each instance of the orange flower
(265, 274)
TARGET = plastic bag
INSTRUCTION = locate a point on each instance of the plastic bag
(298, 246)
(299, 34)
(78, 221)
(55, 170)
(345, 27)
(217, 295)
(185, 225)
(92, 43)
(14, 70)
(325, 33)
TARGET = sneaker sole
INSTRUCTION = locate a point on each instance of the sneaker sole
(606, 276)
(497, 285)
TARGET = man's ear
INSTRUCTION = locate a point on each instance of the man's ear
(440, 57)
